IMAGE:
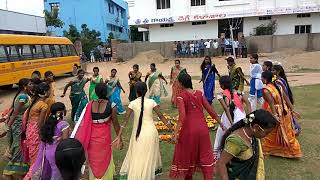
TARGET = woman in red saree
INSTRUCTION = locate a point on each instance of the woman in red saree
(176, 71)
(193, 147)
(93, 130)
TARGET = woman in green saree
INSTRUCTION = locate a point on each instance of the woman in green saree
(77, 96)
(96, 79)
(242, 156)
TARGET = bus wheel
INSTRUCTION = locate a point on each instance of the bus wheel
(36, 74)
(6, 87)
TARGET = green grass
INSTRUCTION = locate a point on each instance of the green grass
(299, 69)
(307, 103)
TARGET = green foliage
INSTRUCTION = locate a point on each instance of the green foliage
(90, 39)
(52, 19)
(135, 34)
(266, 29)
(110, 36)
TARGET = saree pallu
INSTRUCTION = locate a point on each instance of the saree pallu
(281, 141)
(209, 83)
(96, 140)
(236, 79)
(114, 95)
(78, 102)
(92, 92)
(16, 165)
(156, 87)
(249, 169)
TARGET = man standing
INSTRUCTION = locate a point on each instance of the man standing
(236, 75)
(215, 47)
(179, 48)
(208, 46)
(201, 48)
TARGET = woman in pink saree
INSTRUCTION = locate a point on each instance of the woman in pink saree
(93, 130)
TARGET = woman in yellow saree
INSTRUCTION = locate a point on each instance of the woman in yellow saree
(281, 141)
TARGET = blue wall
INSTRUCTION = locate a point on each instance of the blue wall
(96, 14)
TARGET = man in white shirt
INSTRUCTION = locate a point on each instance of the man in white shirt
(215, 45)
(191, 48)
(208, 45)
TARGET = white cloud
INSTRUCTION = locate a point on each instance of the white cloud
(34, 7)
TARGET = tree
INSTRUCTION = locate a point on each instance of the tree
(135, 34)
(110, 36)
(52, 19)
(266, 29)
(90, 39)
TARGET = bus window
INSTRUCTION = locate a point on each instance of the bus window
(13, 53)
(58, 50)
(37, 51)
(25, 52)
(53, 51)
(64, 50)
(47, 51)
(3, 55)
(72, 50)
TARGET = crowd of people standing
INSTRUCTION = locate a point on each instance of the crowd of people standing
(262, 123)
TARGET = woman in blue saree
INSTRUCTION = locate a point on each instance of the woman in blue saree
(208, 78)
(114, 91)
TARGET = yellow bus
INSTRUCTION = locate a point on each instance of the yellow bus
(23, 56)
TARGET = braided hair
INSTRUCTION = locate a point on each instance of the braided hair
(39, 91)
(282, 74)
(226, 83)
(22, 84)
(47, 130)
(261, 117)
(141, 89)
(267, 75)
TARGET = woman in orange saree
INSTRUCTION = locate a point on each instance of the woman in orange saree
(281, 141)
(176, 71)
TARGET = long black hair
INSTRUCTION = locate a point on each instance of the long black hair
(47, 130)
(282, 74)
(141, 89)
(267, 75)
(39, 91)
(261, 117)
(101, 91)
(70, 156)
(226, 83)
(22, 84)
(185, 80)
(269, 65)
(203, 64)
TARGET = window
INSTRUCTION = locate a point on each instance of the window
(54, 5)
(58, 50)
(301, 29)
(37, 51)
(13, 53)
(263, 18)
(199, 22)
(72, 50)
(304, 15)
(111, 9)
(198, 2)
(163, 4)
(64, 50)
(25, 52)
(47, 51)
(120, 29)
(166, 25)
(3, 55)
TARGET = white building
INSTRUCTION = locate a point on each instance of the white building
(22, 17)
(174, 20)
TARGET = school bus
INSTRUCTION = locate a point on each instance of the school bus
(24, 56)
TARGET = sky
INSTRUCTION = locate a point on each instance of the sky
(34, 7)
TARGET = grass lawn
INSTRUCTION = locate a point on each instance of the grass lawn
(307, 103)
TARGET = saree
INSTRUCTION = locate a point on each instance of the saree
(135, 77)
(45, 165)
(16, 165)
(285, 86)
(78, 99)
(281, 141)
(51, 99)
(93, 83)
(156, 87)
(96, 140)
(114, 92)
(247, 162)
(236, 80)
(209, 78)
(176, 86)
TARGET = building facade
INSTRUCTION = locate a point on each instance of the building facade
(177, 20)
(105, 16)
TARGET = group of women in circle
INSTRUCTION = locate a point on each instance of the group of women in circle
(37, 125)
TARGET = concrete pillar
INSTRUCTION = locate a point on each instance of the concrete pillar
(143, 36)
